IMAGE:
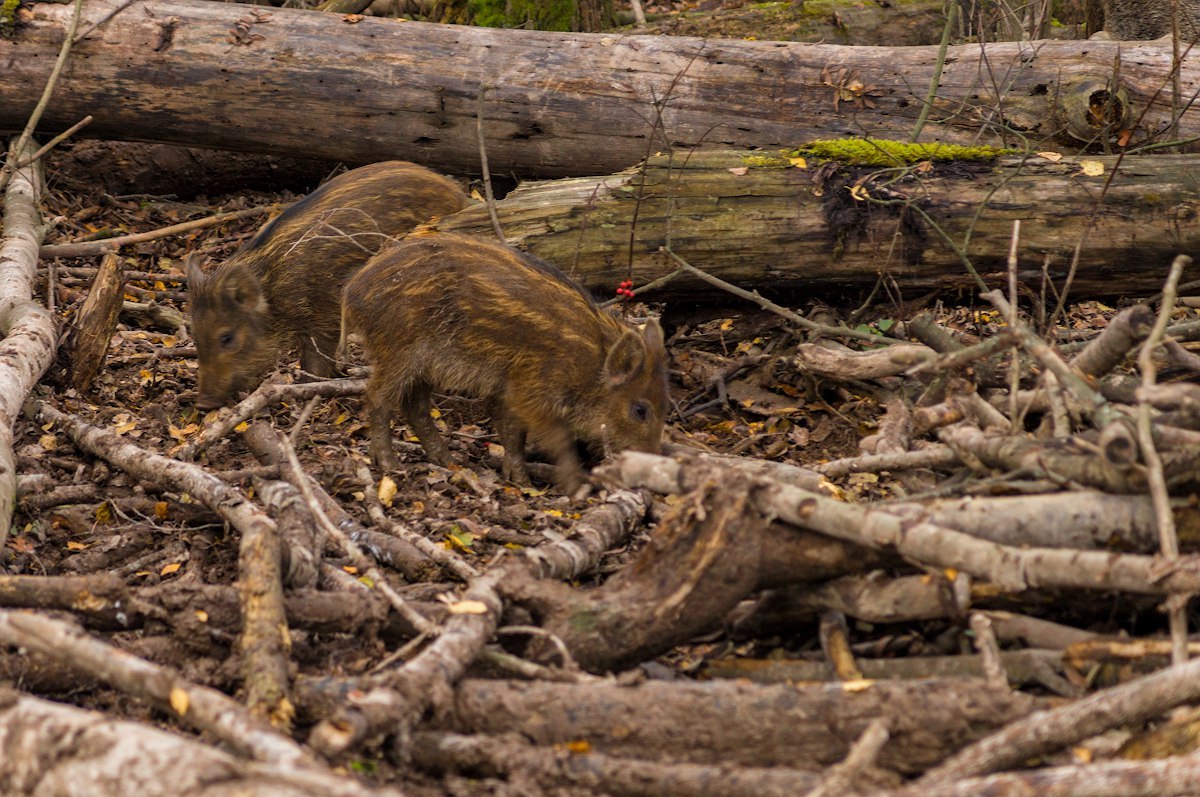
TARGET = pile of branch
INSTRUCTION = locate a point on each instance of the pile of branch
(732, 529)
(505, 668)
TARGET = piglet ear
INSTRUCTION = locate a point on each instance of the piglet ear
(240, 285)
(195, 274)
(625, 359)
(652, 334)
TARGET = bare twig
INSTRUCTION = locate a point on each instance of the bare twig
(85, 248)
(18, 149)
(766, 304)
(483, 166)
(54, 142)
(1051, 730)
(1168, 541)
(199, 706)
(267, 394)
(300, 481)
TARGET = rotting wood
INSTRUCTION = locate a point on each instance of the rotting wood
(1022, 667)
(399, 554)
(227, 501)
(300, 551)
(268, 393)
(1136, 701)
(562, 103)
(773, 227)
(102, 602)
(95, 323)
(1175, 775)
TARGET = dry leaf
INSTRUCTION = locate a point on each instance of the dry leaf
(468, 607)
(799, 163)
(171, 568)
(1053, 157)
(180, 701)
(184, 433)
(1091, 168)
(387, 490)
(75, 546)
(739, 170)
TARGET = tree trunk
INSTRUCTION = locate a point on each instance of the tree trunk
(779, 227)
(302, 83)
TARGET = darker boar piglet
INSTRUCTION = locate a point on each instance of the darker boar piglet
(285, 285)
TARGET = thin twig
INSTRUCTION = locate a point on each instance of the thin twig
(356, 554)
(54, 142)
(936, 79)
(35, 117)
(1014, 373)
(483, 166)
(104, 19)
(766, 304)
(86, 248)
(1168, 541)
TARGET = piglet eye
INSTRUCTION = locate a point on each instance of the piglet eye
(227, 340)
(639, 411)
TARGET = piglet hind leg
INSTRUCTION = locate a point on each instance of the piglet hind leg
(416, 408)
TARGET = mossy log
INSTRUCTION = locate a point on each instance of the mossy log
(758, 221)
(292, 82)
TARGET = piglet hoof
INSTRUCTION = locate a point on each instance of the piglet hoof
(385, 461)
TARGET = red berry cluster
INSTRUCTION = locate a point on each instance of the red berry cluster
(624, 289)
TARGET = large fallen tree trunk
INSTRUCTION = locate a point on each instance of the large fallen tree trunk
(303, 83)
(756, 221)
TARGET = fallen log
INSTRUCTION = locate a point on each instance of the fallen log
(26, 325)
(740, 723)
(63, 747)
(300, 83)
(768, 225)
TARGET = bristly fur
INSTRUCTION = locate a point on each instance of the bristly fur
(469, 316)
(284, 286)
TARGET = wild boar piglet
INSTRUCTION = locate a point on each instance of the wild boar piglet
(472, 317)
(285, 285)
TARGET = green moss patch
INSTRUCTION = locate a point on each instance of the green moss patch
(881, 152)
